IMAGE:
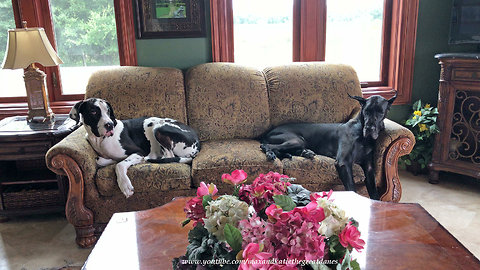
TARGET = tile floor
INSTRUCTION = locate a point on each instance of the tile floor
(47, 242)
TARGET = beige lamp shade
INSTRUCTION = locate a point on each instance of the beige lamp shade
(27, 46)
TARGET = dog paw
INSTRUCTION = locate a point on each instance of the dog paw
(308, 154)
(264, 149)
(126, 187)
(270, 156)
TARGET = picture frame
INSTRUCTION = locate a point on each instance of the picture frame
(170, 18)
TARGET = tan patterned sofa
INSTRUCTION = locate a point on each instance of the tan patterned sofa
(229, 105)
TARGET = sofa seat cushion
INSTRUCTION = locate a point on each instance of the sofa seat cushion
(320, 174)
(146, 177)
(224, 156)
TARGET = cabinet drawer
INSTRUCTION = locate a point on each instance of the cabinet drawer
(460, 74)
(24, 150)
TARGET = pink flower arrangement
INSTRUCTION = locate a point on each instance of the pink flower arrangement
(278, 235)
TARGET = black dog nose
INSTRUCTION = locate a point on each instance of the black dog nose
(109, 126)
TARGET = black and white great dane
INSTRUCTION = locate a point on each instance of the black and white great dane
(348, 143)
(132, 141)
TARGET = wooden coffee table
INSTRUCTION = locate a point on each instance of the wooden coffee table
(397, 235)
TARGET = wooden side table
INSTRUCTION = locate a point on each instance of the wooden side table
(457, 146)
(26, 185)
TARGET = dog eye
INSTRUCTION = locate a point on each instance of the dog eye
(93, 112)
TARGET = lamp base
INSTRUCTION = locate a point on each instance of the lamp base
(37, 98)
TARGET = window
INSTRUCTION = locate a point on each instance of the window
(88, 35)
(12, 78)
(376, 37)
(354, 36)
(263, 31)
(86, 40)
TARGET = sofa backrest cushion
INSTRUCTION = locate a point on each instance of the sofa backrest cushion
(226, 101)
(141, 91)
(312, 92)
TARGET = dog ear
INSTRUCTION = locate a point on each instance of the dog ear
(361, 100)
(110, 111)
(75, 111)
(392, 99)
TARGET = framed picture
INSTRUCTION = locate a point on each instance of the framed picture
(170, 18)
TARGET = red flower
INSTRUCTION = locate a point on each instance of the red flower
(237, 177)
(350, 236)
(194, 210)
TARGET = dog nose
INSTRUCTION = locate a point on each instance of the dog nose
(109, 126)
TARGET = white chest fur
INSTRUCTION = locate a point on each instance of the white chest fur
(109, 147)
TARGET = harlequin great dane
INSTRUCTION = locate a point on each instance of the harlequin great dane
(132, 141)
(348, 143)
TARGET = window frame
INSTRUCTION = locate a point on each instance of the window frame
(398, 41)
(38, 14)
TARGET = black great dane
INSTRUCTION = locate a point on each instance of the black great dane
(347, 143)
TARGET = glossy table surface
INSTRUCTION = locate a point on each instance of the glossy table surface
(397, 235)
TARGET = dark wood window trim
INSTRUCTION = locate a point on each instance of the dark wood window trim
(37, 14)
(309, 30)
(398, 44)
(221, 17)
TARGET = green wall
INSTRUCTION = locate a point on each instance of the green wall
(432, 38)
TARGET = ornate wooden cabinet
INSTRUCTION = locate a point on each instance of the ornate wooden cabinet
(457, 147)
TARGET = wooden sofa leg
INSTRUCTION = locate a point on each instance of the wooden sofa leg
(398, 148)
(77, 214)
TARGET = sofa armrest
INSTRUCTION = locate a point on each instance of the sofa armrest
(74, 157)
(394, 142)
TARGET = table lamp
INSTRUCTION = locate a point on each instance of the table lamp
(27, 46)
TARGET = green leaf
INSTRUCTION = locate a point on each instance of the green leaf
(206, 200)
(185, 222)
(355, 265)
(417, 105)
(285, 202)
(408, 162)
(346, 262)
(233, 237)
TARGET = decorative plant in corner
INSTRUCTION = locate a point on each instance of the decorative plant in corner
(423, 125)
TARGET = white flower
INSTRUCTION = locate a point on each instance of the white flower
(226, 209)
(335, 219)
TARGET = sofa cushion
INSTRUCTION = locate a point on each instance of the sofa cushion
(141, 91)
(319, 174)
(226, 101)
(146, 177)
(312, 92)
(224, 156)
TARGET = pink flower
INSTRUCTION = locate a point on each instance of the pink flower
(315, 196)
(350, 236)
(194, 210)
(253, 251)
(275, 212)
(313, 213)
(203, 189)
(237, 177)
